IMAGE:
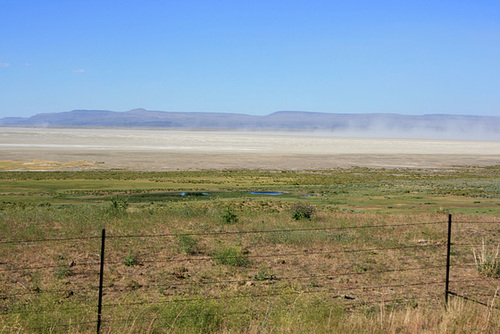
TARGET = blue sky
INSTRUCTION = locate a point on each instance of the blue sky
(253, 57)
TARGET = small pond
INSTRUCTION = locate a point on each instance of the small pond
(194, 194)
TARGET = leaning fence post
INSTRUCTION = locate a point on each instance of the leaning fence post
(101, 276)
(447, 284)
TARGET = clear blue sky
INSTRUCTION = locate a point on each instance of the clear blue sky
(254, 57)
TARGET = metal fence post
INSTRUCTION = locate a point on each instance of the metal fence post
(101, 279)
(447, 284)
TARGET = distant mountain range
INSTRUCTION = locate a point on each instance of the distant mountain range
(363, 125)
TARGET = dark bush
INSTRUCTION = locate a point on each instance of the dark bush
(229, 217)
(302, 210)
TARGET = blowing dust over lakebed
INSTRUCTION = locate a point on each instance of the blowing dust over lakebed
(153, 149)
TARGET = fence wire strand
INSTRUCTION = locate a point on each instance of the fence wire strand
(218, 233)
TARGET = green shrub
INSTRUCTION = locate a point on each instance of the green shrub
(229, 217)
(264, 275)
(118, 206)
(231, 256)
(187, 244)
(302, 210)
(131, 259)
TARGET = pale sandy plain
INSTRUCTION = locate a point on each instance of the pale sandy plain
(161, 150)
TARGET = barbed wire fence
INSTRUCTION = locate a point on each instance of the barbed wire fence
(84, 282)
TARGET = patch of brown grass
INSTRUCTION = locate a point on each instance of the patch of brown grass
(44, 165)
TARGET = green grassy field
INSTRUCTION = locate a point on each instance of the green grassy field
(461, 190)
(196, 251)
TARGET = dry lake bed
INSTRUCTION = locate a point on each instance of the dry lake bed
(161, 149)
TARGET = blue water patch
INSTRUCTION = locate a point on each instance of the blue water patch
(265, 193)
(194, 194)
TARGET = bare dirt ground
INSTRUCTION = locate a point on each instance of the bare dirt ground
(154, 149)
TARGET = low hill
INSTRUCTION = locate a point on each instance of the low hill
(378, 124)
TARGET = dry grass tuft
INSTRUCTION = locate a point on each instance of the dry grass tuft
(487, 261)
